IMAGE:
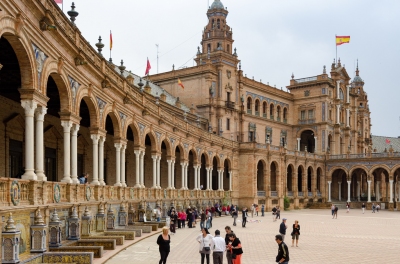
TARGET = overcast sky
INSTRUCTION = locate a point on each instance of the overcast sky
(273, 39)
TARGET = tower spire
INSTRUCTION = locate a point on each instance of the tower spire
(357, 71)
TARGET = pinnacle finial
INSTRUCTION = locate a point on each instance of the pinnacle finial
(10, 223)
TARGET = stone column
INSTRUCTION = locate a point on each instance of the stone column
(329, 191)
(154, 157)
(173, 174)
(348, 191)
(123, 180)
(74, 153)
(377, 191)
(222, 180)
(29, 107)
(340, 190)
(95, 140)
(298, 144)
(337, 89)
(118, 147)
(195, 177)
(137, 165)
(67, 150)
(347, 93)
(142, 168)
(186, 176)
(210, 178)
(101, 161)
(40, 113)
(169, 173)
(347, 117)
(158, 172)
(337, 114)
(219, 179)
(230, 181)
(207, 185)
(358, 190)
(369, 191)
(198, 176)
(183, 175)
(316, 145)
(391, 191)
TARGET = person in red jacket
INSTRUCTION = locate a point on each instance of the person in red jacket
(183, 219)
(179, 219)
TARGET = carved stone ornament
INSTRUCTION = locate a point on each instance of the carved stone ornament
(80, 60)
(15, 192)
(228, 87)
(307, 93)
(105, 83)
(228, 73)
(47, 22)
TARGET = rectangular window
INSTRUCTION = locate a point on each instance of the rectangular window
(310, 114)
(16, 169)
(303, 115)
(251, 136)
(228, 124)
(323, 90)
(228, 96)
(51, 164)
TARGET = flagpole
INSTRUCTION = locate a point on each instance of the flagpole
(336, 49)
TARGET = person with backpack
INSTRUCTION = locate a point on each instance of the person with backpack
(335, 213)
(274, 213)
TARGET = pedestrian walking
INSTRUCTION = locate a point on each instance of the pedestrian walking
(228, 231)
(278, 212)
(262, 210)
(218, 247)
(244, 216)
(163, 242)
(282, 229)
(202, 219)
(377, 208)
(234, 214)
(348, 207)
(373, 208)
(363, 207)
(296, 233)
(204, 240)
(335, 212)
(274, 214)
(283, 251)
(252, 210)
(174, 219)
(236, 248)
(256, 206)
(333, 209)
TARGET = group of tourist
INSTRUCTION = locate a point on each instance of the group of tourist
(334, 209)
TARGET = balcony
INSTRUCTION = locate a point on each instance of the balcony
(271, 117)
(274, 194)
(306, 121)
(264, 115)
(230, 105)
(285, 120)
(278, 119)
(261, 193)
(249, 111)
(257, 113)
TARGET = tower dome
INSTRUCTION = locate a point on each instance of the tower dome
(217, 5)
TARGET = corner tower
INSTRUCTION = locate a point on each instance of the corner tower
(217, 35)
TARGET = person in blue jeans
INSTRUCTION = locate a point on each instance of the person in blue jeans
(262, 210)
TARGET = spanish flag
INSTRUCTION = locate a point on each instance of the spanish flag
(110, 40)
(180, 83)
(342, 40)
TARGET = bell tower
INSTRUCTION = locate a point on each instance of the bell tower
(217, 35)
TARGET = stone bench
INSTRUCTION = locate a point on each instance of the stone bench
(138, 231)
(97, 250)
(155, 225)
(68, 257)
(128, 234)
(106, 243)
(118, 239)
(145, 228)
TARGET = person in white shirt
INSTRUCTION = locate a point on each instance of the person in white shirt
(204, 240)
(218, 247)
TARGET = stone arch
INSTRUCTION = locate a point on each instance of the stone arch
(23, 50)
(219, 160)
(333, 169)
(62, 84)
(181, 150)
(380, 166)
(264, 108)
(153, 139)
(298, 134)
(260, 175)
(310, 178)
(130, 123)
(207, 158)
(394, 169)
(195, 155)
(92, 105)
(168, 145)
(115, 120)
(274, 173)
(361, 167)
(319, 177)
(290, 177)
(249, 103)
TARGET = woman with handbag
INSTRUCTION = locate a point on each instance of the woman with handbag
(236, 248)
(295, 233)
(204, 240)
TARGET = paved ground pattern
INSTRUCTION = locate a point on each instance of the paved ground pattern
(352, 238)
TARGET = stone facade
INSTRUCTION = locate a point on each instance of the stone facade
(67, 111)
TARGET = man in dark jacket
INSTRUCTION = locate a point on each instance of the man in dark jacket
(282, 229)
(283, 251)
(228, 231)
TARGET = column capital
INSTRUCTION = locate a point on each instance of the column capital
(95, 138)
(348, 182)
(339, 182)
(391, 181)
(369, 181)
(40, 112)
(66, 125)
(329, 182)
(75, 129)
(118, 146)
(29, 107)
(123, 147)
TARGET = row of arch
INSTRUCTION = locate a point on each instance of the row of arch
(264, 109)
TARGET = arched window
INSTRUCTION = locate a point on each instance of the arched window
(271, 111)
(285, 115)
(228, 48)
(278, 113)
(213, 24)
(264, 109)
(257, 107)
(249, 105)
(341, 95)
(218, 24)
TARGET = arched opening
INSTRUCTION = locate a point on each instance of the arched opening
(164, 166)
(249, 105)
(260, 177)
(214, 177)
(382, 185)
(307, 141)
(339, 185)
(190, 179)
(289, 180)
(273, 180)
(278, 113)
(285, 115)
(218, 24)
(130, 170)
(178, 167)
(319, 175)
(271, 111)
(310, 179)
(226, 177)
(257, 107)
(110, 157)
(300, 180)
(264, 109)
(203, 172)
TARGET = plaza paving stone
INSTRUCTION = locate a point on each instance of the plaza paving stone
(352, 238)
